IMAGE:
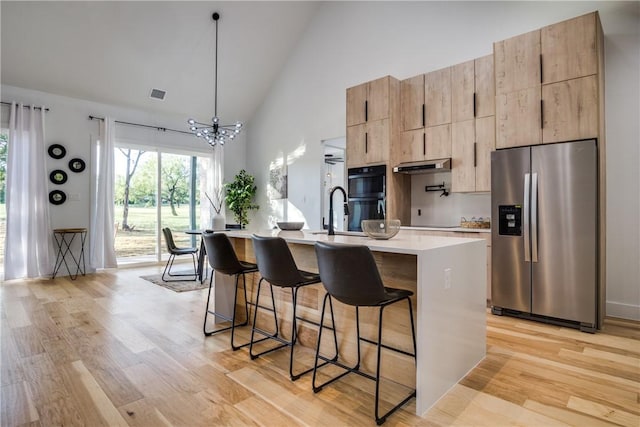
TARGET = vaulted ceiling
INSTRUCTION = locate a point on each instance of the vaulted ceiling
(116, 52)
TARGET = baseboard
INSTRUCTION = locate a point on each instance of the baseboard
(623, 311)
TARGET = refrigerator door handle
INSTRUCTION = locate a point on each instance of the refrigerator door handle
(525, 221)
(534, 217)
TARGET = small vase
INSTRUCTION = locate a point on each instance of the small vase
(218, 222)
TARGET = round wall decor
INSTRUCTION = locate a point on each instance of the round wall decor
(58, 176)
(57, 151)
(77, 165)
(57, 197)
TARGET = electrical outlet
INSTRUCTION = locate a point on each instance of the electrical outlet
(447, 278)
(419, 212)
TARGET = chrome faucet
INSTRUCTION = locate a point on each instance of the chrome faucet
(331, 232)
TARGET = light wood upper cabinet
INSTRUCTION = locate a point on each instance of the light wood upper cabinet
(517, 63)
(518, 118)
(437, 97)
(412, 146)
(438, 142)
(356, 104)
(569, 49)
(485, 87)
(368, 143)
(463, 91)
(570, 110)
(485, 144)
(368, 101)
(412, 102)
(463, 161)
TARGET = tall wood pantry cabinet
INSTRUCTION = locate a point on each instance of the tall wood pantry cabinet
(473, 125)
(548, 84)
(426, 117)
(369, 126)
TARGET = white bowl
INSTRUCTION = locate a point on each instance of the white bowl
(290, 225)
(381, 229)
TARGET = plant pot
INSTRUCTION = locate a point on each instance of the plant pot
(218, 222)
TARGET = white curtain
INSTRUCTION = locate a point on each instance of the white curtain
(102, 234)
(28, 240)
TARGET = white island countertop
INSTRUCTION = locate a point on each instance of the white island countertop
(451, 301)
(399, 244)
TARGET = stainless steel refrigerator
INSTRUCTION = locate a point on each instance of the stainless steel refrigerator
(544, 203)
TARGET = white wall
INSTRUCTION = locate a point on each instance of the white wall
(348, 43)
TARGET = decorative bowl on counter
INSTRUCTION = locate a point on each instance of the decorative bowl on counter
(290, 225)
(381, 229)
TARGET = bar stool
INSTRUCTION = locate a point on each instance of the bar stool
(278, 268)
(223, 259)
(350, 275)
(176, 251)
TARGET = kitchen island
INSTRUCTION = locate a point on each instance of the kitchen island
(447, 276)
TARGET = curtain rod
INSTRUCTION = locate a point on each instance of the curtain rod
(158, 128)
(24, 106)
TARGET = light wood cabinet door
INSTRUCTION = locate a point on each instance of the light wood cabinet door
(485, 87)
(356, 145)
(517, 63)
(412, 146)
(356, 104)
(378, 99)
(377, 141)
(463, 168)
(438, 142)
(518, 118)
(437, 97)
(569, 49)
(570, 110)
(412, 102)
(485, 144)
(462, 91)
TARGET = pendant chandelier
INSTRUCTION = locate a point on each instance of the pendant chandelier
(215, 132)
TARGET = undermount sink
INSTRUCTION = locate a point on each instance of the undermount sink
(342, 233)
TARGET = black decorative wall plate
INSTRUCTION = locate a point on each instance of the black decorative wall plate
(58, 176)
(57, 197)
(57, 151)
(77, 165)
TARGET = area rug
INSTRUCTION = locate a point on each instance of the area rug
(179, 286)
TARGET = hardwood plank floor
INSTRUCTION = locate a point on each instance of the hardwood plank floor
(111, 349)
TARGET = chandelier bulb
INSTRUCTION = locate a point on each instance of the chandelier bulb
(215, 119)
(191, 122)
(198, 134)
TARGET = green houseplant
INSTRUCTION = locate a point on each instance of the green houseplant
(239, 196)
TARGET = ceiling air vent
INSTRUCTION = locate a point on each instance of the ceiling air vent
(157, 94)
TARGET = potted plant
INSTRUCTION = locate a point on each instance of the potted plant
(239, 197)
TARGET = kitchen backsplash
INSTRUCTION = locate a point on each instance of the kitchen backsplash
(444, 210)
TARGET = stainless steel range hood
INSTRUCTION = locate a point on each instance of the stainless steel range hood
(426, 166)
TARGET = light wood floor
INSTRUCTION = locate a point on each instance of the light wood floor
(112, 349)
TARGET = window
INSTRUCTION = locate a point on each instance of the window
(156, 189)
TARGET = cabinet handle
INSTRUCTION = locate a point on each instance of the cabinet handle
(475, 154)
(424, 144)
(541, 114)
(366, 111)
(541, 79)
(366, 142)
(474, 104)
(424, 113)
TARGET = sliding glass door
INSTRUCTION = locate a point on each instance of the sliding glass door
(156, 189)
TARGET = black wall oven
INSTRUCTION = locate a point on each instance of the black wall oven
(367, 191)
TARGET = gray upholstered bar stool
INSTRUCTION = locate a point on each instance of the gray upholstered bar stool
(176, 251)
(278, 268)
(350, 275)
(223, 259)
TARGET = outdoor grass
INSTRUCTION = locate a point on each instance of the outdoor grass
(142, 240)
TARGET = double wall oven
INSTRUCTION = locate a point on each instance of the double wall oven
(367, 191)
